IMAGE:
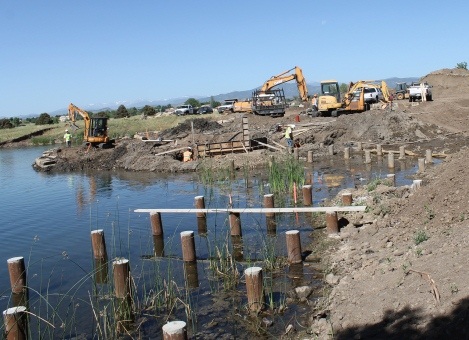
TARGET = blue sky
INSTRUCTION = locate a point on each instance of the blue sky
(90, 52)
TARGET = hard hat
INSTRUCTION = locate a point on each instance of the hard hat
(292, 126)
(66, 130)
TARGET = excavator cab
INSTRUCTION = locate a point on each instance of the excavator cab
(98, 127)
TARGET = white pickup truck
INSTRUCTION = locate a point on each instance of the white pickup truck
(419, 91)
(182, 110)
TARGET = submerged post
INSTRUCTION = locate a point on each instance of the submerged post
(15, 323)
(200, 204)
(269, 203)
(156, 225)
(235, 224)
(254, 289)
(307, 195)
(175, 330)
(188, 246)
(293, 246)
(17, 271)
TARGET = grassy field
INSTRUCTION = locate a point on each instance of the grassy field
(117, 128)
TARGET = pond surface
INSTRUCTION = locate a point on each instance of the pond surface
(48, 218)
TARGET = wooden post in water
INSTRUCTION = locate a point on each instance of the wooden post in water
(307, 195)
(310, 156)
(367, 156)
(346, 152)
(98, 244)
(421, 164)
(158, 245)
(188, 246)
(428, 156)
(191, 274)
(379, 150)
(390, 160)
(122, 282)
(175, 330)
(254, 289)
(293, 246)
(392, 179)
(347, 198)
(156, 224)
(200, 204)
(15, 323)
(202, 226)
(402, 152)
(359, 146)
(331, 150)
(269, 203)
(332, 223)
(235, 224)
(17, 271)
(296, 153)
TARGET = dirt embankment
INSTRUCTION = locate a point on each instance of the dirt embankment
(398, 270)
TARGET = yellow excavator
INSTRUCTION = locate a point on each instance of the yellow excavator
(330, 102)
(264, 98)
(96, 131)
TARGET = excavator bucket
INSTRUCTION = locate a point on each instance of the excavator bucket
(74, 127)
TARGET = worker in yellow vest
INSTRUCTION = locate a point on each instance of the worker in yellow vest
(68, 138)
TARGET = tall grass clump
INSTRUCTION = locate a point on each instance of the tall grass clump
(282, 175)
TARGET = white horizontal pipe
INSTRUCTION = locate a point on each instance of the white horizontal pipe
(254, 210)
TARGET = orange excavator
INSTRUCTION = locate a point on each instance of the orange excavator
(265, 99)
(95, 133)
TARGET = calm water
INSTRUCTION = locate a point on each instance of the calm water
(47, 218)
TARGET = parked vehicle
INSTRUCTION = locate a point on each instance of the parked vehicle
(182, 110)
(227, 105)
(204, 110)
(372, 95)
(401, 91)
(420, 91)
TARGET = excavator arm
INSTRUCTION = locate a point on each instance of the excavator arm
(72, 114)
(285, 77)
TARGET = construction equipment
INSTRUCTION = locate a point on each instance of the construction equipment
(401, 91)
(330, 102)
(259, 103)
(95, 133)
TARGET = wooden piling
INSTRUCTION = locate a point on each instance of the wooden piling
(254, 289)
(421, 162)
(156, 224)
(175, 330)
(428, 156)
(331, 150)
(346, 152)
(17, 271)
(200, 204)
(191, 274)
(367, 156)
(391, 160)
(15, 323)
(392, 179)
(307, 195)
(237, 247)
(310, 156)
(293, 246)
(309, 178)
(188, 246)
(332, 223)
(202, 226)
(347, 198)
(98, 244)
(402, 152)
(122, 282)
(379, 150)
(269, 203)
(296, 153)
(359, 146)
(158, 245)
(235, 224)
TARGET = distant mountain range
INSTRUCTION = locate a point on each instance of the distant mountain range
(290, 90)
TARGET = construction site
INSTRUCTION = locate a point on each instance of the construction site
(384, 280)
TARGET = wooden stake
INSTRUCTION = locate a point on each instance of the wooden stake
(428, 156)
(98, 244)
(293, 246)
(175, 330)
(402, 152)
(347, 198)
(346, 153)
(391, 160)
(310, 156)
(254, 289)
(191, 274)
(156, 224)
(421, 164)
(188, 246)
(269, 203)
(307, 195)
(122, 284)
(200, 204)
(332, 223)
(235, 224)
(379, 150)
(367, 156)
(17, 271)
(15, 322)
